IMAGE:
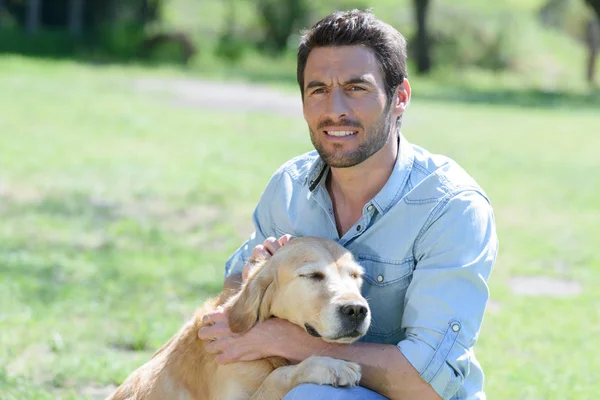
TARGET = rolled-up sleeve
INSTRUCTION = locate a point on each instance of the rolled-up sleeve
(263, 228)
(446, 299)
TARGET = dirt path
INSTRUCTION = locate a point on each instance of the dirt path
(224, 96)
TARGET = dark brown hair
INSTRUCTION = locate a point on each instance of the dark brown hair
(357, 28)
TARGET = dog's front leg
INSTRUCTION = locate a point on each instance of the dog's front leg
(315, 369)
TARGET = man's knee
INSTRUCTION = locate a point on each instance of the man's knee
(326, 392)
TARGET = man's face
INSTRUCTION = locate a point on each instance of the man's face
(345, 104)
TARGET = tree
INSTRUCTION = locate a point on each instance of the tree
(422, 44)
(595, 4)
(81, 16)
(593, 40)
(280, 19)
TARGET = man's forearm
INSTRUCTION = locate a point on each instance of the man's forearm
(385, 370)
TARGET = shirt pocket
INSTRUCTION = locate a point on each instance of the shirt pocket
(384, 286)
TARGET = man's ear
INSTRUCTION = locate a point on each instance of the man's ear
(253, 301)
(401, 98)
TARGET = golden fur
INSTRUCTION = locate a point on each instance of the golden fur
(307, 281)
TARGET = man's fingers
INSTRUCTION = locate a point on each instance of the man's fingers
(285, 239)
(213, 332)
(215, 316)
(260, 252)
(225, 357)
(215, 347)
(271, 245)
(265, 250)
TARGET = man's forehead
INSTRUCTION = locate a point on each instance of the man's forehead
(341, 62)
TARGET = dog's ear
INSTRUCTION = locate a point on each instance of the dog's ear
(253, 302)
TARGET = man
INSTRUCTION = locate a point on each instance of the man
(419, 225)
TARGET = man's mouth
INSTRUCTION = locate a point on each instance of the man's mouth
(340, 133)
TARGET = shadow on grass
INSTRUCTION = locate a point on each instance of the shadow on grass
(530, 98)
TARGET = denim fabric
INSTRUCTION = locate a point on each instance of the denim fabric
(325, 392)
(427, 242)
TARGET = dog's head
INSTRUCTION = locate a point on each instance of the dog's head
(312, 282)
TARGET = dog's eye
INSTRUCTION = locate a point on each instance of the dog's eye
(355, 275)
(317, 276)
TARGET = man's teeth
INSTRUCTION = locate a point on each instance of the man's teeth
(340, 133)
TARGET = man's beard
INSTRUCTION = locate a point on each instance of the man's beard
(376, 138)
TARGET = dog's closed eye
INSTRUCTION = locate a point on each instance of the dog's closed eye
(317, 276)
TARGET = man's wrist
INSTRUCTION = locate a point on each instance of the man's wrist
(305, 346)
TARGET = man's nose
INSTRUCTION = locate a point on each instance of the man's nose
(337, 105)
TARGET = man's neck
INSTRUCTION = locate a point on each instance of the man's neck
(351, 188)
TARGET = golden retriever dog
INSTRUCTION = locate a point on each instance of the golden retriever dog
(311, 282)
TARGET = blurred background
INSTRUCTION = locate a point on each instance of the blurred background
(136, 137)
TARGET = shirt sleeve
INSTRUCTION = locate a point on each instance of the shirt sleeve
(446, 299)
(263, 228)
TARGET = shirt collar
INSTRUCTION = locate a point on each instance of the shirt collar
(392, 189)
(316, 173)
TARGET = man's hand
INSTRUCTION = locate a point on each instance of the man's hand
(255, 344)
(265, 250)
(263, 340)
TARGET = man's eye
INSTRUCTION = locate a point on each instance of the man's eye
(356, 88)
(318, 91)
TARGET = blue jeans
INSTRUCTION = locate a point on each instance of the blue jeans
(309, 391)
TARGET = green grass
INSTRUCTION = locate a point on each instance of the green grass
(119, 207)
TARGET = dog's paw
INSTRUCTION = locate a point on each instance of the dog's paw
(328, 371)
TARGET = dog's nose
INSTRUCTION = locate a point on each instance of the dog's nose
(354, 312)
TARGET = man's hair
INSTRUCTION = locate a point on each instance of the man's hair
(358, 28)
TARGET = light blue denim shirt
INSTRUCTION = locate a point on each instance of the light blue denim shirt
(427, 242)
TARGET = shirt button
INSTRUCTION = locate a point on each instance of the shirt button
(370, 208)
(456, 327)
(358, 228)
(380, 278)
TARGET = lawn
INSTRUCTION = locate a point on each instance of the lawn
(119, 207)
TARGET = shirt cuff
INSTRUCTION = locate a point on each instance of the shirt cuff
(439, 359)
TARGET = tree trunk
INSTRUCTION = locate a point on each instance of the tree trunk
(422, 45)
(76, 17)
(593, 43)
(595, 4)
(34, 8)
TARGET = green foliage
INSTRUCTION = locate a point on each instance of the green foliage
(279, 19)
(499, 36)
(566, 16)
(49, 43)
(595, 6)
(121, 40)
(231, 47)
(463, 38)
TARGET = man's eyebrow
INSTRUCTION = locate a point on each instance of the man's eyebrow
(313, 84)
(353, 80)
(359, 80)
